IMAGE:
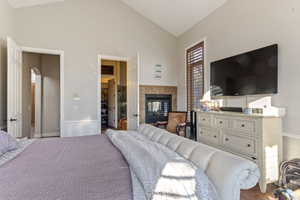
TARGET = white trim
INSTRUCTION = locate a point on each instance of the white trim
(291, 135)
(42, 51)
(100, 58)
(138, 89)
(113, 58)
(62, 77)
(195, 43)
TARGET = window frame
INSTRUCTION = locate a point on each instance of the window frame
(190, 103)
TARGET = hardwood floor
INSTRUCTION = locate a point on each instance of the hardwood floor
(255, 194)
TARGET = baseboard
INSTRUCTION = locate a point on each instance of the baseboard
(37, 136)
(292, 135)
(80, 128)
(52, 134)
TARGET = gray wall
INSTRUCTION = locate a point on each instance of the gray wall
(84, 29)
(240, 26)
(6, 29)
(50, 69)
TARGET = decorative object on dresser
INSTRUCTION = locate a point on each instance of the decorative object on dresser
(255, 137)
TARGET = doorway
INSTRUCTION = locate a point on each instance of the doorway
(113, 94)
(40, 95)
(118, 92)
(15, 103)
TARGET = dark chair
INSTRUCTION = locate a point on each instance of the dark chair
(177, 122)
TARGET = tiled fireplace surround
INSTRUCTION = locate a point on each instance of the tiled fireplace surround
(146, 89)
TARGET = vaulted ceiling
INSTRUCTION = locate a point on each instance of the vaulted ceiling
(174, 16)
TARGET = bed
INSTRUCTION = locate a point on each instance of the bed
(93, 168)
(79, 168)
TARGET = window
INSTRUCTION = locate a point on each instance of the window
(195, 76)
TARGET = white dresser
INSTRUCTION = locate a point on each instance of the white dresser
(254, 137)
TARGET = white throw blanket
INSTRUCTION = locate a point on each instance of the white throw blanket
(161, 173)
(22, 145)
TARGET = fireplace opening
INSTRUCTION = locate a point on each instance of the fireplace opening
(157, 107)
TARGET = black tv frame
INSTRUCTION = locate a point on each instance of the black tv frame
(240, 95)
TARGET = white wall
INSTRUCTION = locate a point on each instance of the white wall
(84, 29)
(240, 26)
(6, 29)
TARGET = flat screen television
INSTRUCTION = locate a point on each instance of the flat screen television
(254, 72)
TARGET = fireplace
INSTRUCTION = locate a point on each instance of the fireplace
(157, 107)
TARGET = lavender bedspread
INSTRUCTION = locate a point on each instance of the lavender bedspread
(82, 168)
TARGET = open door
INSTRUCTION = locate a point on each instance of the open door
(133, 93)
(14, 88)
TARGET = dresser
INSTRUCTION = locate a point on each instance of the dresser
(254, 137)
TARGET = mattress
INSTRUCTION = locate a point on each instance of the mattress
(81, 168)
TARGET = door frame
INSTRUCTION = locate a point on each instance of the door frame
(99, 84)
(61, 55)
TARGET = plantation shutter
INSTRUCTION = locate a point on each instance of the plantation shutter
(195, 76)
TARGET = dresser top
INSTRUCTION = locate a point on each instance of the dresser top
(237, 114)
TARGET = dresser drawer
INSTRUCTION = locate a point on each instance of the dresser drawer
(209, 135)
(205, 119)
(239, 144)
(221, 122)
(244, 125)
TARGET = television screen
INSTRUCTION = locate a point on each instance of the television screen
(255, 72)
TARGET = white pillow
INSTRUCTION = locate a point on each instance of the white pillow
(7, 143)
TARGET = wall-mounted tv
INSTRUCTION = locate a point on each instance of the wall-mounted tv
(254, 72)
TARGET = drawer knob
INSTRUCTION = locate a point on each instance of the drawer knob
(253, 158)
(249, 145)
(203, 119)
(215, 136)
(243, 125)
(221, 122)
(227, 139)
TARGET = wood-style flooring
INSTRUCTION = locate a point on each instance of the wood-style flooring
(255, 194)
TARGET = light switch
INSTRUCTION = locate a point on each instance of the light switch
(76, 97)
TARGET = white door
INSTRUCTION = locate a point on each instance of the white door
(133, 93)
(14, 88)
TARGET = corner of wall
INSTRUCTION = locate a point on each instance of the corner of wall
(3, 83)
